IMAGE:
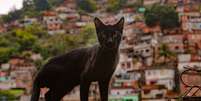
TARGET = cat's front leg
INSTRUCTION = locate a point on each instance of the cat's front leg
(84, 90)
(103, 87)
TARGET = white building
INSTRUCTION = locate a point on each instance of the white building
(161, 77)
(121, 91)
(153, 93)
(53, 23)
(27, 21)
(143, 49)
(67, 13)
(195, 64)
(174, 42)
(8, 84)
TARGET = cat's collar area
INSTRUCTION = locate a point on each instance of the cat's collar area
(108, 49)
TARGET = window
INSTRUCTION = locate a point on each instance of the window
(176, 47)
(130, 50)
(118, 93)
(147, 50)
(153, 82)
(124, 37)
(122, 65)
(128, 65)
(149, 73)
(51, 19)
(142, 51)
(170, 83)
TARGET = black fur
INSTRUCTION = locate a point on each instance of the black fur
(82, 66)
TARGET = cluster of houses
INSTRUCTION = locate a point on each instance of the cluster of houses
(143, 72)
(18, 73)
(63, 19)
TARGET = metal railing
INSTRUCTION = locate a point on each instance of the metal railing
(191, 71)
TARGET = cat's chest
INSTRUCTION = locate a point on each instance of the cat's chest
(102, 67)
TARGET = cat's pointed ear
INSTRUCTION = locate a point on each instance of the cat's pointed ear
(98, 23)
(120, 24)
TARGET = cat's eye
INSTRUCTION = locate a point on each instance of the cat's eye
(116, 34)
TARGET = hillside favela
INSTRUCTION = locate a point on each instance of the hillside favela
(161, 40)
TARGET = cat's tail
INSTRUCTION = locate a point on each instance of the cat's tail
(35, 91)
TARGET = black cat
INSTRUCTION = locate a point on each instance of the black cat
(82, 66)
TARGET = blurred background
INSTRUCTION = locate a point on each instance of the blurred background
(160, 38)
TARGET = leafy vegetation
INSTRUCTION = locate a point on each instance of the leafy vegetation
(55, 2)
(24, 38)
(11, 16)
(87, 5)
(137, 4)
(165, 52)
(10, 94)
(29, 9)
(34, 38)
(88, 33)
(6, 53)
(7, 48)
(61, 43)
(115, 5)
(164, 15)
(41, 5)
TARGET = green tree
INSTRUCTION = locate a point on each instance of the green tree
(33, 38)
(55, 2)
(4, 42)
(29, 9)
(58, 44)
(25, 39)
(87, 5)
(7, 49)
(20, 40)
(165, 52)
(41, 5)
(164, 15)
(11, 95)
(11, 16)
(37, 30)
(88, 34)
(61, 43)
(115, 5)
(28, 4)
(6, 53)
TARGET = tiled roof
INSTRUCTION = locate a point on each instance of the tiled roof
(49, 13)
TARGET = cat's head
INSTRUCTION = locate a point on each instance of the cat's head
(109, 36)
